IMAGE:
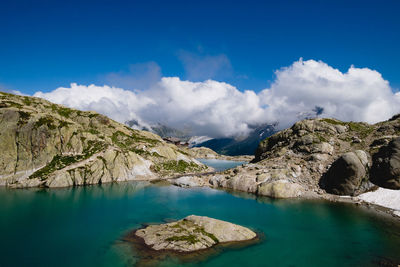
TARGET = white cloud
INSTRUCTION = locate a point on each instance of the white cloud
(360, 94)
(218, 109)
(119, 104)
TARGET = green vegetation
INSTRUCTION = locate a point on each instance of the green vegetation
(321, 138)
(180, 166)
(45, 121)
(361, 128)
(183, 226)
(334, 122)
(192, 239)
(23, 118)
(62, 111)
(125, 141)
(93, 131)
(13, 104)
(202, 231)
(27, 100)
(93, 147)
(59, 161)
(64, 124)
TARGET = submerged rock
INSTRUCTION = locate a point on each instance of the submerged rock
(193, 233)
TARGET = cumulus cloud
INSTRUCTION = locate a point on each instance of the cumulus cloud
(119, 104)
(219, 109)
(360, 94)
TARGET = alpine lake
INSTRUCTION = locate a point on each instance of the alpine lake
(85, 226)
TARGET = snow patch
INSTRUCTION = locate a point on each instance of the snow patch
(383, 197)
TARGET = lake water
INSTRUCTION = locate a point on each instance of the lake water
(220, 165)
(83, 226)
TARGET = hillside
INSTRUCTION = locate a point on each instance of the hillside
(49, 145)
(244, 146)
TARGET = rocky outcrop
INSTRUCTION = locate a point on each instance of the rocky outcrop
(385, 170)
(346, 174)
(49, 145)
(208, 153)
(280, 189)
(315, 153)
(193, 233)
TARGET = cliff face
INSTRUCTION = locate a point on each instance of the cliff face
(44, 144)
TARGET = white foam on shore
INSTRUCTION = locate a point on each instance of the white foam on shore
(383, 197)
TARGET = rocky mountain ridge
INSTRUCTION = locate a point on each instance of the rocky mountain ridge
(49, 145)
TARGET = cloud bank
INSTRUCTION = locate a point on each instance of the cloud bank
(218, 109)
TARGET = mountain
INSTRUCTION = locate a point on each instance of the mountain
(49, 145)
(165, 131)
(245, 146)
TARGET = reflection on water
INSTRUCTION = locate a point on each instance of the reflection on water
(83, 226)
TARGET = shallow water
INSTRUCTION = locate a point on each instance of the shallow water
(83, 226)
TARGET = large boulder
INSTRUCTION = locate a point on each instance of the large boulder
(346, 174)
(193, 233)
(385, 170)
(280, 189)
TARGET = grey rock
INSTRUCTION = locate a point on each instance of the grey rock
(346, 174)
(385, 170)
(193, 233)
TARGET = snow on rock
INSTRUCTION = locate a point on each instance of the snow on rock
(383, 197)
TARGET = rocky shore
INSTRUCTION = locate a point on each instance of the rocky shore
(321, 158)
(193, 233)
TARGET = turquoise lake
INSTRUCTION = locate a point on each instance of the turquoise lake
(220, 165)
(84, 226)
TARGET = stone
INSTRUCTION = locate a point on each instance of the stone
(280, 189)
(188, 181)
(385, 171)
(345, 175)
(193, 233)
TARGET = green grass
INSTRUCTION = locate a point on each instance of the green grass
(27, 100)
(180, 166)
(202, 231)
(59, 161)
(334, 122)
(23, 118)
(93, 131)
(362, 129)
(192, 239)
(128, 142)
(45, 121)
(64, 124)
(62, 111)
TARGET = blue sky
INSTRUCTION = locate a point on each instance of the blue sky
(47, 44)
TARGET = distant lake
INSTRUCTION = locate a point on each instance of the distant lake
(221, 165)
(83, 226)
